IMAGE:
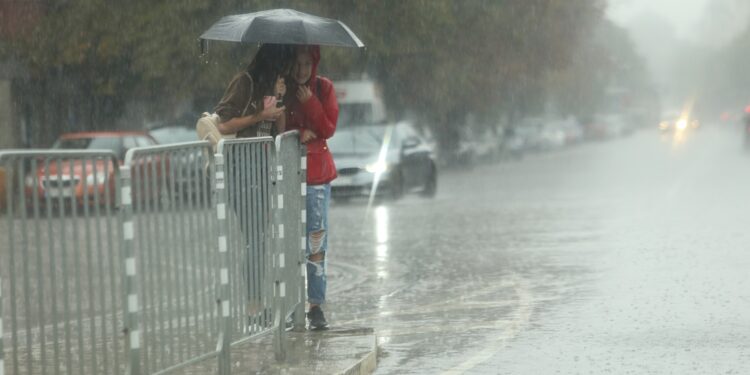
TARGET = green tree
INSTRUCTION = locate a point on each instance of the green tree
(89, 60)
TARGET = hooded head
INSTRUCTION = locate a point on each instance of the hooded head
(305, 68)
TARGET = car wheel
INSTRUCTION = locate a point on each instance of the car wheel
(430, 186)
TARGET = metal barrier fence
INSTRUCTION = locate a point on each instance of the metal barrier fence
(179, 253)
(292, 164)
(170, 253)
(61, 306)
(246, 168)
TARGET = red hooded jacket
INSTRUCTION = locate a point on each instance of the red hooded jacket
(319, 114)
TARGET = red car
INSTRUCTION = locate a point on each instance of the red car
(83, 180)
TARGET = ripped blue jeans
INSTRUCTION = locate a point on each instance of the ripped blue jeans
(318, 200)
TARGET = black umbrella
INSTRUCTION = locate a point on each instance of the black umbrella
(282, 26)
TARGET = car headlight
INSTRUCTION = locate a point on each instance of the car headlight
(378, 167)
(682, 124)
(99, 180)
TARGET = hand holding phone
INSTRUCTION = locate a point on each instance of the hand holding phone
(271, 108)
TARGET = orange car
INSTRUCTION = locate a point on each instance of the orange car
(78, 179)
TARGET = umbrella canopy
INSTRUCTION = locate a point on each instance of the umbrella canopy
(282, 26)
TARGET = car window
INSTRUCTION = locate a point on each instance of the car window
(173, 134)
(408, 133)
(129, 142)
(143, 141)
(355, 114)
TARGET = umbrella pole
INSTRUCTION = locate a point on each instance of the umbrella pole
(204, 46)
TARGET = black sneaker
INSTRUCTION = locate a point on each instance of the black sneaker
(317, 319)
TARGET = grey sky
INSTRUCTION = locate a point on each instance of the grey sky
(683, 15)
(676, 36)
(707, 22)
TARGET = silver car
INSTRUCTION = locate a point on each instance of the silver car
(383, 160)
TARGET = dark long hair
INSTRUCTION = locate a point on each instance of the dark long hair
(271, 61)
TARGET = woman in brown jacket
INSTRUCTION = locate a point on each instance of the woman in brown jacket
(249, 109)
(244, 109)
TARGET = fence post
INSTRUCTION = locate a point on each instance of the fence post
(225, 336)
(131, 283)
(2, 349)
(279, 255)
(299, 312)
(7, 174)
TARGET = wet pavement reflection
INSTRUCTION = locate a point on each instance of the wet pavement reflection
(627, 256)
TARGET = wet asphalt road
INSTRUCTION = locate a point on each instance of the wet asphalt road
(629, 256)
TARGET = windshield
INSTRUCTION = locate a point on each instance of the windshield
(355, 114)
(173, 135)
(93, 143)
(359, 140)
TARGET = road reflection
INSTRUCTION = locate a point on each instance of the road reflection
(381, 224)
(678, 138)
(381, 236)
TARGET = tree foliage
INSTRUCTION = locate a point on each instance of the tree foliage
(722, 76)
(95, 64)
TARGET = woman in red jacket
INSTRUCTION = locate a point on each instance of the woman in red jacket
(313, 110)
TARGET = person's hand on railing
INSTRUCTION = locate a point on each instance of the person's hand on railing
(307, 136)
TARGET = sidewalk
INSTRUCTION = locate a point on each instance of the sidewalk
(340, 351)
(337, 351)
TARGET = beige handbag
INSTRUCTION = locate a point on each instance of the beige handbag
(207, 126)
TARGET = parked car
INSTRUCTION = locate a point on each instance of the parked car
(608, 126)
(572, 129)
(393, 158)
(552, 136)
(529, 132)
(118, 142)
(479, 145)
(79, 181)
(513, 145)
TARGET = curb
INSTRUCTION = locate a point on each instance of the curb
(367, 364)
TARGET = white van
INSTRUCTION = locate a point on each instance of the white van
(360, 103)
